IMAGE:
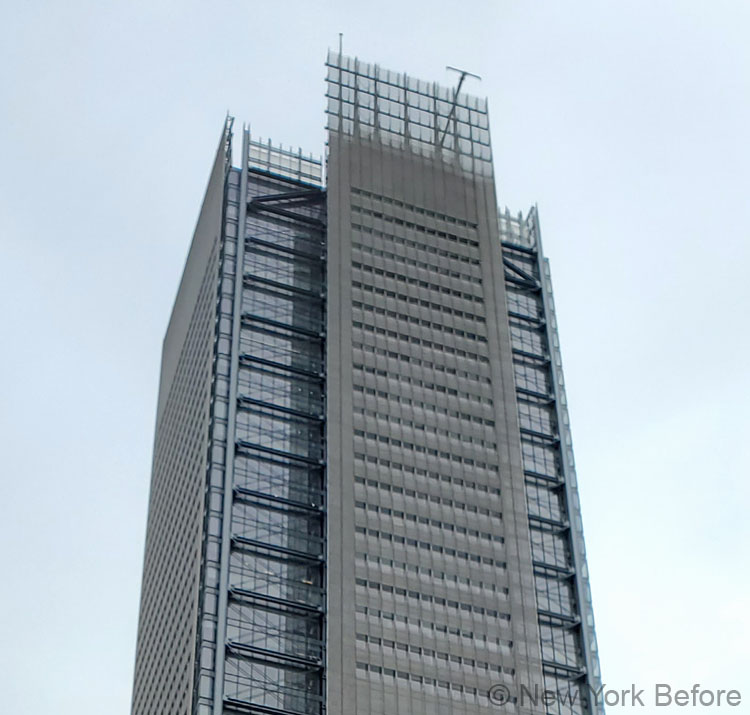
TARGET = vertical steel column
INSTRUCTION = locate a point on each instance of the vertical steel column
(578, 552)
(226, 526)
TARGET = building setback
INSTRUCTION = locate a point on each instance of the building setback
(363, 496)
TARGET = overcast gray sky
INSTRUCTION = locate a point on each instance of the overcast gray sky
(627, 122)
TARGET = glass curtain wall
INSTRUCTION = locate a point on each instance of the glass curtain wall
(274, 659)
(569, 658)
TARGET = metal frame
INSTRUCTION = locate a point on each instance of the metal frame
(583, 590)
(297, 207)
(221, 626)
(518, 279)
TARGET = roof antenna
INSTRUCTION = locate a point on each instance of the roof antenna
(464, 74)
(341, 44)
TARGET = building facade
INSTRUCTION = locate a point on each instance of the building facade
(363, 497)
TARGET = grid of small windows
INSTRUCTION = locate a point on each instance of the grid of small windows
(429, 389)
(399, 516)
(368, 311)
(558, 600)
(429, 361)
(426, 264)
(404, 112)
(166, 652)
(434, 660)
(399, 472)
(403, 595)
(428, 515)
(419, 430)
(407, 280)
(213, 519)
(381, 536)
(462, 348)
(415, 225)
(429, 573)
(411, 208)
(414, 624)
(430, 653)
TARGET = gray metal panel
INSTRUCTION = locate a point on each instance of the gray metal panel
(168, 619)
(380, 196)
(340, 625)
(524, 618)
(207, 234)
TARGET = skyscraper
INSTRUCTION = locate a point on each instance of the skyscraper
(363, 496)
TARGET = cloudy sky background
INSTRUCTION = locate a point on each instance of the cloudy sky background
(627, 122)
